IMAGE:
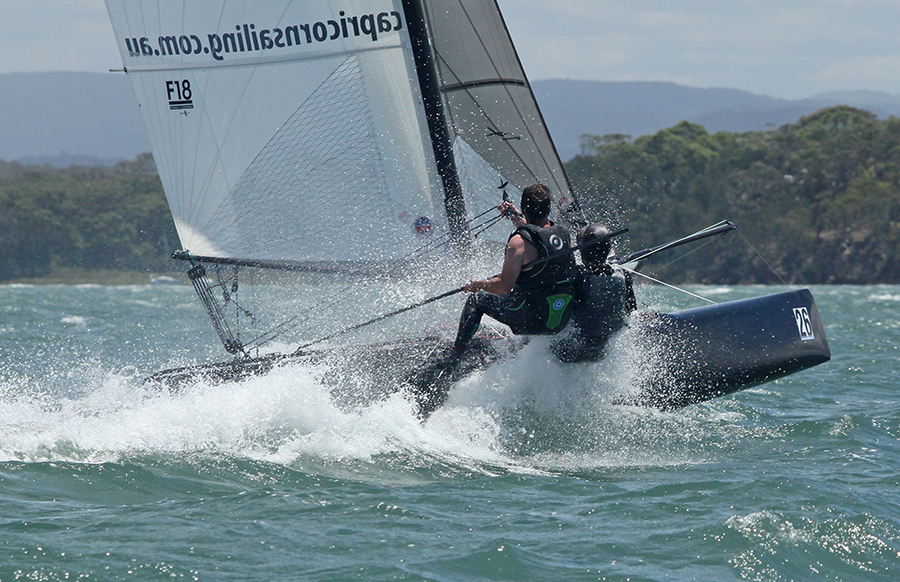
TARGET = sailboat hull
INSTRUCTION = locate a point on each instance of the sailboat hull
(700, 354)
(687, 357)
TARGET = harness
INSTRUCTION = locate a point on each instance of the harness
(557, 272)
(553, 280)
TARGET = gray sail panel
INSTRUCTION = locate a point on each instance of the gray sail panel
(489, 101)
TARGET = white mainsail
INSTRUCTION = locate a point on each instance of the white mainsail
(295, 130)
(282, 130)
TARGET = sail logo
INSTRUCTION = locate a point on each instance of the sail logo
(181, 97)
(422, 225)
(248, 38)
(804, 323)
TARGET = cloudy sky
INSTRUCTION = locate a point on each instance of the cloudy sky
(781, 48)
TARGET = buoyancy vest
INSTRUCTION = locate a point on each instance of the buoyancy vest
(560, 271)
(605, 300)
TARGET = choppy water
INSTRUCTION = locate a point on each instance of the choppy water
(524, 475)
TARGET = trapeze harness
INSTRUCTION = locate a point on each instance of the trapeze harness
(604, 300)
(540, 302)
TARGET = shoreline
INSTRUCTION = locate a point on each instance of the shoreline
(76, 276)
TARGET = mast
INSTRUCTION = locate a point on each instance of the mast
(454, 203)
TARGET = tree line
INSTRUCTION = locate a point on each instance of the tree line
(814, 202)
(111, 218)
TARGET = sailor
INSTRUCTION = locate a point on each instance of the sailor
(605, 297)
(529, 299)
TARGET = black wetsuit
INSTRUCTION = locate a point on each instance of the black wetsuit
(604, 300)
(541, 300)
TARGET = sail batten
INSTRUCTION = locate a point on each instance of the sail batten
(482, 83)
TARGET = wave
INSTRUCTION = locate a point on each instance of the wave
(527, 416)
(885, 297)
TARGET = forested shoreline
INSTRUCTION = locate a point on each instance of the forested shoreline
(93, 218)
(815, 202)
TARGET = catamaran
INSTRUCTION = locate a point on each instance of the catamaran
(304, 136)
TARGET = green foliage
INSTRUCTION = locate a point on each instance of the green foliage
(819, 200)
(88, 217)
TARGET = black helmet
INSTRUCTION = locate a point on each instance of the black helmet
(596, 252)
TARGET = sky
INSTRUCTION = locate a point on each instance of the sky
(782, 48)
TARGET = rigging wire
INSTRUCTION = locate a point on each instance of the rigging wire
(688, 253)
(711, 230)
(743, 238)
(445, 238)
(663, 283)
(487, 225)
(747, 242)
(763, 259)
(342, 295)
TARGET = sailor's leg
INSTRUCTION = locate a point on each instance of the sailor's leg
(477, 305)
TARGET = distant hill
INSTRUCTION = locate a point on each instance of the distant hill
(574, 108)
(87, 118)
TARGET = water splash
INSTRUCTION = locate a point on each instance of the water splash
(530, 414)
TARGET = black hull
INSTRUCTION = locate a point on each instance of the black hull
(688, 356)
(704, 353)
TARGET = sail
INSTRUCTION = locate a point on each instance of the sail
(300, 130)
(499, 133)
(284, 130)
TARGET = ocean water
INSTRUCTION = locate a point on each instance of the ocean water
(526, 474)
